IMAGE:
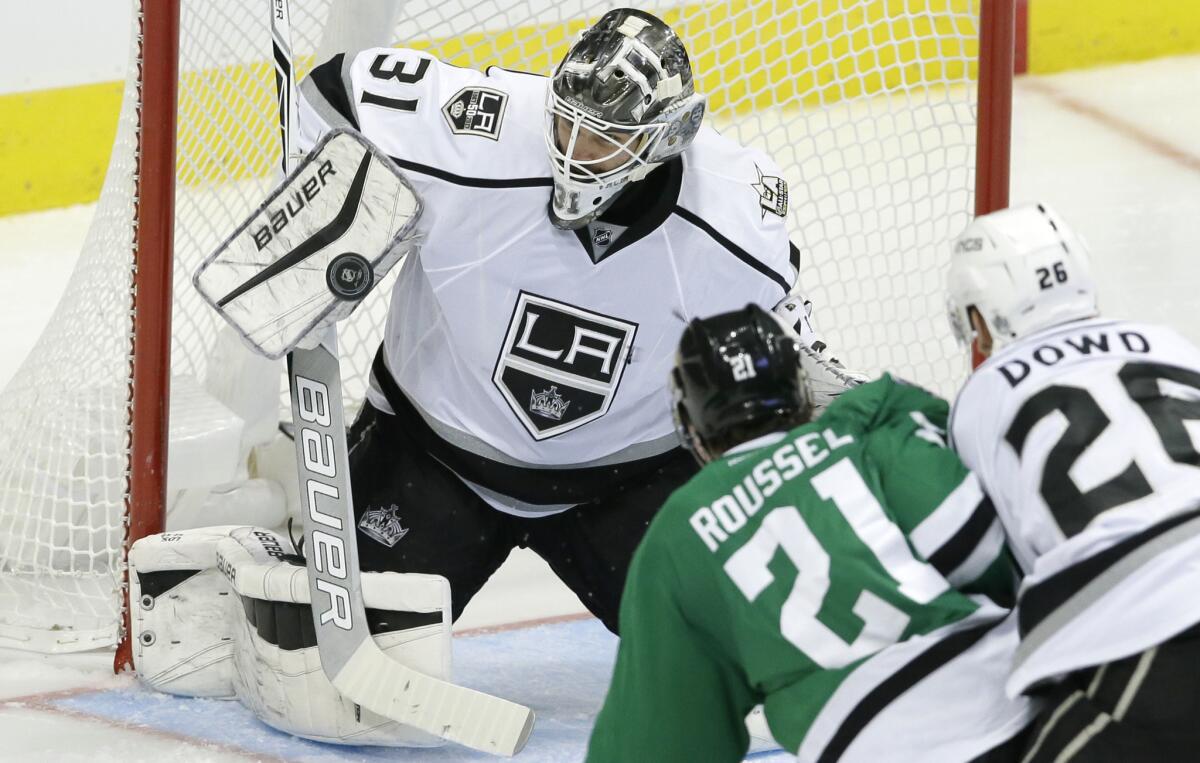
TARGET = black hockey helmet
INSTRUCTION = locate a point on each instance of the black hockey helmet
(737, 376)
(625, 91)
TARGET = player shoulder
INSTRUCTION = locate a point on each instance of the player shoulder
(687, 522)
(979, 400)
(456, 120)
(891, 404)
(740, 191)
(1031, 360)
(1158, 338)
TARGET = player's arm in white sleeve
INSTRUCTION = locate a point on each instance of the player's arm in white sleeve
(828, 374)
(337, 92)
(963, 427)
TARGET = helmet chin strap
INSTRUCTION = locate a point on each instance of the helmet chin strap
(700, 450)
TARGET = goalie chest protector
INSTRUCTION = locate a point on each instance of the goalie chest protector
(520, 343)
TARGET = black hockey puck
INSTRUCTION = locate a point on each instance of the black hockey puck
(349, 276)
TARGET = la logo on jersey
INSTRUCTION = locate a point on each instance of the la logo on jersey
(476, 111)
(560, 365)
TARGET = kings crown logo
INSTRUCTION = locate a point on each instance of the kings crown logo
(548, 403)
(383, 525)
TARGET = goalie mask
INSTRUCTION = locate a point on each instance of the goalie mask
(737, 376)
(1024, 270)
(620, 103)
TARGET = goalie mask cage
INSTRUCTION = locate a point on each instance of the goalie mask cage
(890, 119)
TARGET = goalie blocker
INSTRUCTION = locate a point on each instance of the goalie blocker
(314, 249)
(224, 612)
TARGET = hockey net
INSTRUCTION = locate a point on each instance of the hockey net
(872, 108)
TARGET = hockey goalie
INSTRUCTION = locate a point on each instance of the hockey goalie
(519, 386)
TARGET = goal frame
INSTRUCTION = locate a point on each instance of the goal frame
(153, 258)
(149, 395)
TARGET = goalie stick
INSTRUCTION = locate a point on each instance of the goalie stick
(349, 655)
(351, 659)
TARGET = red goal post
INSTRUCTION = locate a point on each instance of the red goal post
(153, 256)
(890, 119)
(993, 142)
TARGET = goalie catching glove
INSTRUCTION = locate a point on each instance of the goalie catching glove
(224, 612)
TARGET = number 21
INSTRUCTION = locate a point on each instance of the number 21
(785, 528)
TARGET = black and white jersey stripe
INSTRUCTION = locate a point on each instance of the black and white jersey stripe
(962, 537)
(881, 711)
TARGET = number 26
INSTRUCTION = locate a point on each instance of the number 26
(1058, 272)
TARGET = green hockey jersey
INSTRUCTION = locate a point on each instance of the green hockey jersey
(845, 575)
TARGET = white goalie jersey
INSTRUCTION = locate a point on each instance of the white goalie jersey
(513, 347)
(1084, 436)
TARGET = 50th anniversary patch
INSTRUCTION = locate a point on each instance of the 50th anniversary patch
(476, 111)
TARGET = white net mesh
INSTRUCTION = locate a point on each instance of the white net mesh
(868, 105)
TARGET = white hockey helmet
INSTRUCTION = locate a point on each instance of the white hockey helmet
(1023, 269)
(619, 104)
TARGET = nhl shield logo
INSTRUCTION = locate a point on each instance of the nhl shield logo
(560, 365)
(772, 194)
(383, 525)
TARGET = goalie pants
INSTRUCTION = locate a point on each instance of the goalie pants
(445, 528)
(1142, 708)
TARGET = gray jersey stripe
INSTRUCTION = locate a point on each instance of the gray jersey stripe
(322, 105)
(1104, 584)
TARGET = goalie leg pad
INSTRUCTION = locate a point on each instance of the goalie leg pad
(279, 675)
(182, 615)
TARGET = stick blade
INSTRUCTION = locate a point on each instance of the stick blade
(456, 713)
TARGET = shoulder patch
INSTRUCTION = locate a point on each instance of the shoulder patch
(476, 111)
(772, 194)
